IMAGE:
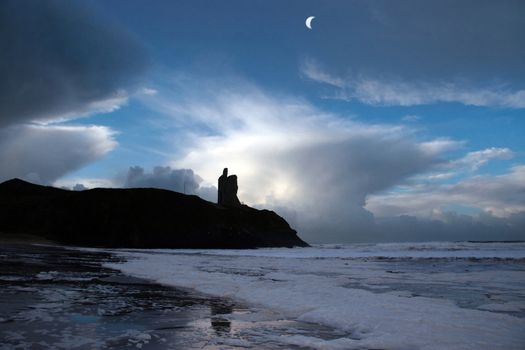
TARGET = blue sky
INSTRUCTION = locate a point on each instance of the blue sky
(384, 110)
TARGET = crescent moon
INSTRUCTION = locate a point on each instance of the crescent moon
(308, 22)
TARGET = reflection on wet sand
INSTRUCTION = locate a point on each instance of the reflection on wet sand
(59, 298)
(220, 325)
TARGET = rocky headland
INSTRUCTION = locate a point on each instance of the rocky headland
(139, 218)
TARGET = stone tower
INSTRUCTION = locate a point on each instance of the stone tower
(227, 195)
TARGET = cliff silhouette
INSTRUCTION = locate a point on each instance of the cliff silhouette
(137, 218)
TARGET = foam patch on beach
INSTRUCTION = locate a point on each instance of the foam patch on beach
(372, 304)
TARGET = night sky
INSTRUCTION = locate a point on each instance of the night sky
(387, 121)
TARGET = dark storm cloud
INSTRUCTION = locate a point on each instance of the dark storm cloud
(414, 52)
(425, 39)
(61, 59)
(447, 37)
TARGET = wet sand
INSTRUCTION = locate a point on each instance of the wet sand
(51, 297)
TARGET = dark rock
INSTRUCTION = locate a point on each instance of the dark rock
(139, 217)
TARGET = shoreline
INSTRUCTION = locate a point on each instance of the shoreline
(55, 297)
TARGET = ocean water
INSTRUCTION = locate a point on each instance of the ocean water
(438, 295)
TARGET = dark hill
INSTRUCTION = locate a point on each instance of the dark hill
(138, 217)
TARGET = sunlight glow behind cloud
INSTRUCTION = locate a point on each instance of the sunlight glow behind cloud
(326, 172)
(288, 153)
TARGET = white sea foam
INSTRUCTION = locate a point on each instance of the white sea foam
(372, 303)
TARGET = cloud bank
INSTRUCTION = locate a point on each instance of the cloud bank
(59, 61)
(500, 195)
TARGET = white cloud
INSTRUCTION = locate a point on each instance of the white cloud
(398, 92)
(45, 153)
(501, 195)
(410, 118)
(474, 160)
(149, 91)
(438, 176)
(314, 72)
(440, 145)
(470, 163)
